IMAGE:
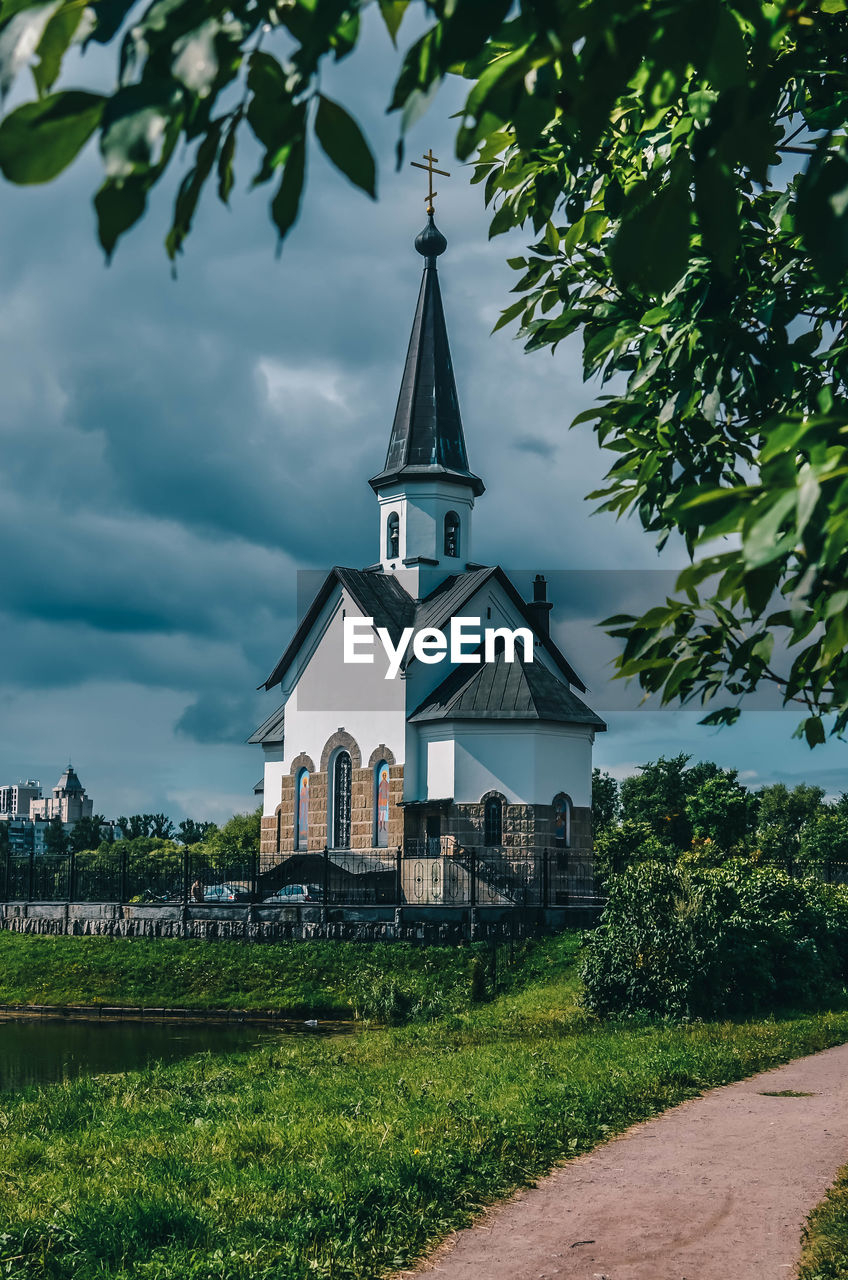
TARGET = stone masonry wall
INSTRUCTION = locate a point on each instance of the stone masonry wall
(276, 924)
(278, 829)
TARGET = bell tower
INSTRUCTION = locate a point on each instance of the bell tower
(426, 490)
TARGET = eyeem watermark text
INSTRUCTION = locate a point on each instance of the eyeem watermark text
(465, 642)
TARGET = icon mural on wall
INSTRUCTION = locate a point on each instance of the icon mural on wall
(382, 805)
(303, 810)
(561, 820)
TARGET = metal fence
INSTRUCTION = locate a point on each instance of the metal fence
(433, 872)
(437, 871)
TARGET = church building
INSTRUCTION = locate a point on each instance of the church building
(449, 754)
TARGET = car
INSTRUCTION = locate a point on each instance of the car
(222, 893)
(290, 894)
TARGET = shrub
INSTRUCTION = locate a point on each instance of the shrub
(708, 942)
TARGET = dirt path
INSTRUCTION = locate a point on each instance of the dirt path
(717, 1188)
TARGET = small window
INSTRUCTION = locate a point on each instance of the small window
(393, 536)
(301, 811)
(340, 811)
(493, 821)
(381, 805)
(562, 821)
(452, 535)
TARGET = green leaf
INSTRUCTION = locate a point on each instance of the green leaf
(286, 203)
(516, 309)
(119, 204)
(58, 34)
(226, 171)
(20, 35)
(651, 249)
(813, 731)
(724, 715)
(822, 216)
(137, 121)
(195, 60)
(190, 189)
(715, 205)
(343, 142)
(40, 139)
(392, 12)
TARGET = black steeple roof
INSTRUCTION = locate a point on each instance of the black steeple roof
(427, 440)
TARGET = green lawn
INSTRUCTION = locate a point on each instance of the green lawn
(344, 1158)
(825, 1255)
(386, 981)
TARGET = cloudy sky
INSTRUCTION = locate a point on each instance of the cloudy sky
(173, 451)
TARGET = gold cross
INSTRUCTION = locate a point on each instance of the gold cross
(431, 161)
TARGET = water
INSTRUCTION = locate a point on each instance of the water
(43, 1050)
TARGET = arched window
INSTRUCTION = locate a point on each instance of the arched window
(301, 811)
(562, 820)
(340, 811)
(381, 805)
(452, 534)
(393, 536)
(493, 821)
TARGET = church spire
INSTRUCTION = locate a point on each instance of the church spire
(427, 441)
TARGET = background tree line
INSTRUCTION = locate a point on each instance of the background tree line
(703, 815)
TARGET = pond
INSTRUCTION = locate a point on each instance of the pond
(43, 1050)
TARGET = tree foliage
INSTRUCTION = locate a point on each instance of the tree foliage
(723, 941)
(56, 839)
(191, 832)
(85, 833)
(684, 171)
(605, 802)
(721, 810)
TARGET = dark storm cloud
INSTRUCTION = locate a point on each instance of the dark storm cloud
(533, 444)
(217, 717)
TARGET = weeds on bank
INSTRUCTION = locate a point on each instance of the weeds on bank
(825, 1254)
(386, 982)
(344, 1158)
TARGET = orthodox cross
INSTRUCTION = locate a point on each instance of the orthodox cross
(429, 166)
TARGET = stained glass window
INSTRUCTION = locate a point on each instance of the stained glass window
(381, 805)
(301, 817)
(341, 801)
(562, 820)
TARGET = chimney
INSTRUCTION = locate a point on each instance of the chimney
(539, 608)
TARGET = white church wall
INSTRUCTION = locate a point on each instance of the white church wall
(440, 769)
(330, 694)
(272, 784)
(528, 763)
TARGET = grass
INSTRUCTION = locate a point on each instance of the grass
(390, 981)
(345, 1158)
(825, 1253)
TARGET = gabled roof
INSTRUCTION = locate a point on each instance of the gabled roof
(427, 440)
(271, 730)
(502, 690)
(380, 596)
(451, 596)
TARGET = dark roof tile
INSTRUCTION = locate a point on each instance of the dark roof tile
(502, 690)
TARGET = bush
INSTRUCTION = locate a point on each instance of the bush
(711, 942)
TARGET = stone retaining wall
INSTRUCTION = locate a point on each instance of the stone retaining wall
(297, 923)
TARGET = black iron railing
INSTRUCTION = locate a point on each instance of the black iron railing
(434, 871)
